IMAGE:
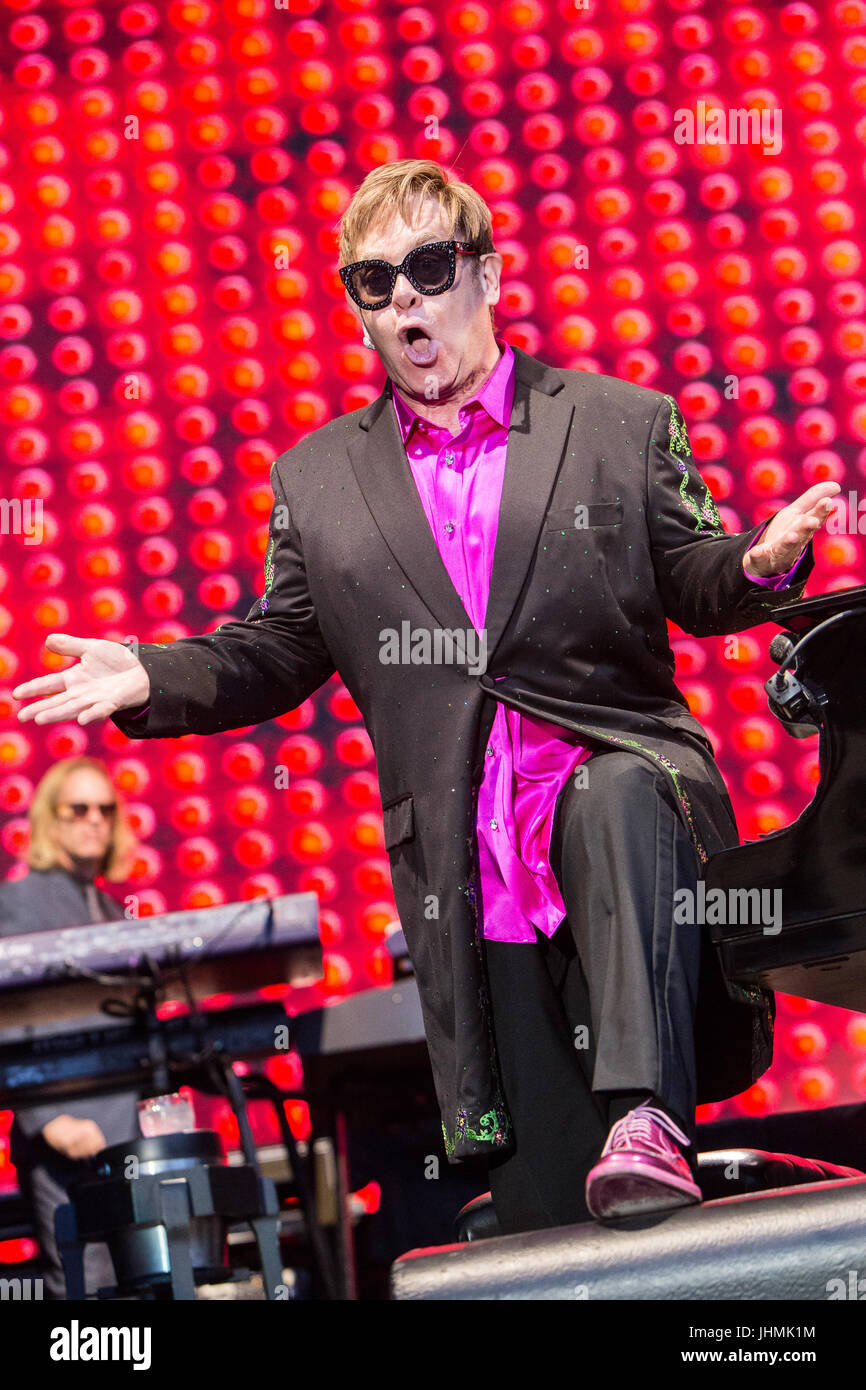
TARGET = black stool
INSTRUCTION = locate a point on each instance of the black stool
(163, 1205)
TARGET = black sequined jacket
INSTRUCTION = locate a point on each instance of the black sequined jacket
(576, 626)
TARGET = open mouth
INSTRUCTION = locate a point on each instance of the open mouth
(419, 347)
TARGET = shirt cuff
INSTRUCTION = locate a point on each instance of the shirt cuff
(773, 581)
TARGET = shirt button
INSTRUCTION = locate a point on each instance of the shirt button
(490, 750)
(493, 825)
(449, 459)
(449, 527)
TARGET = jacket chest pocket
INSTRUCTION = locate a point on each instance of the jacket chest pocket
(398, 821)
(583, 516)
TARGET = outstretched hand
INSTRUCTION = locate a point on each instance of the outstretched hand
(107, 677)
(789, 531)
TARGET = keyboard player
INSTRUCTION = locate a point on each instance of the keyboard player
(78, 832)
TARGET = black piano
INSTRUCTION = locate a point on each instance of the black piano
(815, 947)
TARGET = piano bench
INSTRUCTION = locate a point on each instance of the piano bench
(791, 1243)
(721, 1173)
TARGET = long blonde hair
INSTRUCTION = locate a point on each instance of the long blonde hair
(392, 188)
(43, 853)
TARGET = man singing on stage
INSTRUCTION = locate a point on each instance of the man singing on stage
(487, 554)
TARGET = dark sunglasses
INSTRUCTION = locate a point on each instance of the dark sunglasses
(79, 809)
(430, 268)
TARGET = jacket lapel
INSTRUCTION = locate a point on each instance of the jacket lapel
(538, 433)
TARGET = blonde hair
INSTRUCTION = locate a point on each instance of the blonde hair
(392, 188)
(43, 853)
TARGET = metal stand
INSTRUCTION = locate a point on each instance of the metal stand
(217, 1061)
(171, 1210)
(126, 1212)
(333, 1285)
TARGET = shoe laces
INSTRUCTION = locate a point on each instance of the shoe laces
(637, 1127)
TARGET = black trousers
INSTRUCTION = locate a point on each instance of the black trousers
(605, 1005)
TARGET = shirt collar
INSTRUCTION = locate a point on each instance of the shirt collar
(496, 395)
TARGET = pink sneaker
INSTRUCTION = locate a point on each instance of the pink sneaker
(641, 1168)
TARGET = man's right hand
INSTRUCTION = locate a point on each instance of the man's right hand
(74, 1138)
(108, 677)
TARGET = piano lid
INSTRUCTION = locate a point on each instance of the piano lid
(806, 612)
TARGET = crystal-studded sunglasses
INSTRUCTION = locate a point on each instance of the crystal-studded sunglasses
(430, 268)
(79, 809)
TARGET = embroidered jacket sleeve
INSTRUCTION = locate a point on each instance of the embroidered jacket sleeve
(698, 565)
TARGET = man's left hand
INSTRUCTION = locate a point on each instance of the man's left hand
(789, 531)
